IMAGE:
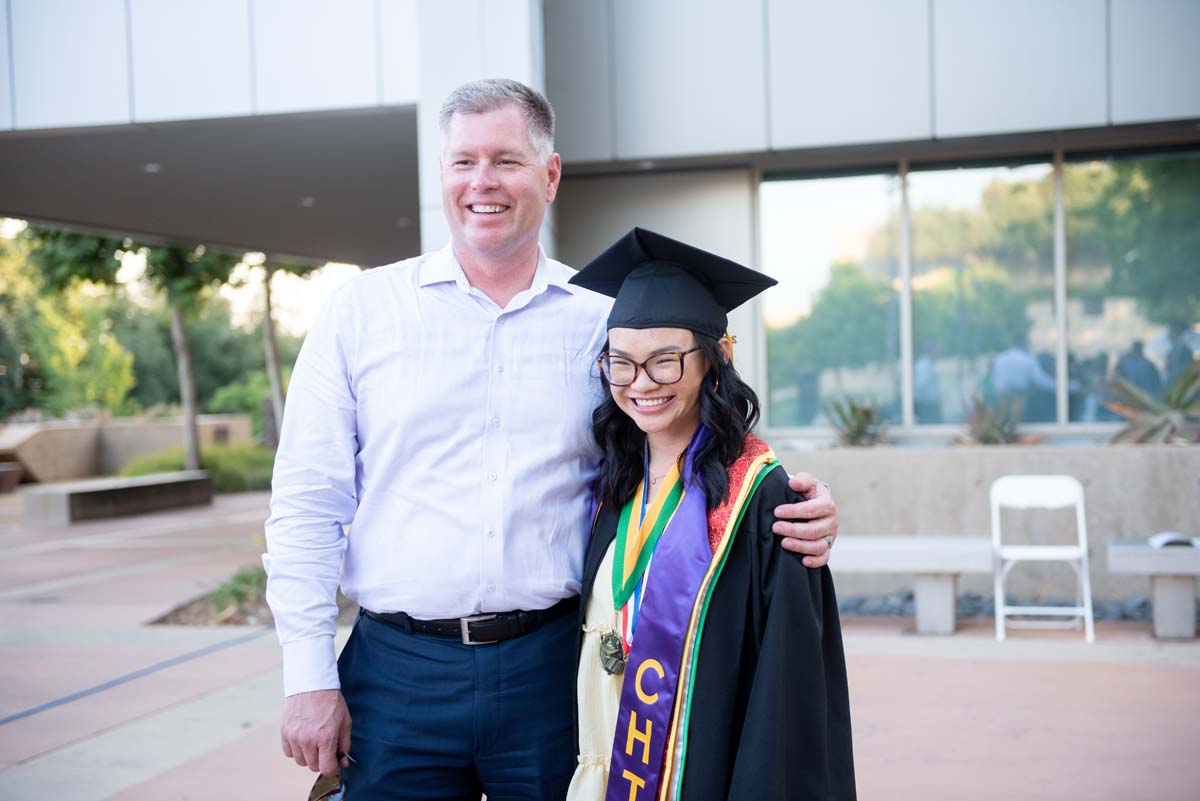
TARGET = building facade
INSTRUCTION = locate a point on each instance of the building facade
(964, 201)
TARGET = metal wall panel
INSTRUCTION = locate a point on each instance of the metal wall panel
(312, 54)
(690, 77)
(70, 62)
(399, 51)
(850, 72)
(579, 72)
(1155, 60)
(191, 59)
(6, 97)
(1019, 65)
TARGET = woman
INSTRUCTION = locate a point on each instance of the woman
(711, 661)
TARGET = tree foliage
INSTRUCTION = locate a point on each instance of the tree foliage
(82, 364)
(65, 257)
(183, 273)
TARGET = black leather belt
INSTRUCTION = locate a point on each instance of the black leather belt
(480, 629)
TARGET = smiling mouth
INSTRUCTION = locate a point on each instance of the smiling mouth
(651, 404)
(484, 208)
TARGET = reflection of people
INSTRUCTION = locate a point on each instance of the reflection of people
(1015, 373)
(440, 405)
(1180, 354)
(681, 569)
(927, 387)
(1135, 368)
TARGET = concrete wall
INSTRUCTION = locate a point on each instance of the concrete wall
(104, 62)
(62, 451)
(52, 451)
(1130, 492)
(637, 80)
(124, 440)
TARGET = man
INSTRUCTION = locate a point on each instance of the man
(1135, 368)
(442, 405)
(1016, 375)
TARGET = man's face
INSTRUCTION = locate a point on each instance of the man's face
(495, 186)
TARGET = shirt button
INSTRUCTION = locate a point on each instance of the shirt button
(491, 476)
(500, 368)
(491, 533)
(496, 422)
(491, 588)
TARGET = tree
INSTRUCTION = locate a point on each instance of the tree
(19, 376)
(69, 336)
(183, 273)
(270, 339)
(81, 362)
(65, 257)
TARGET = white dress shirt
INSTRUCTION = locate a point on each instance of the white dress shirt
(452, 437)
(1016, 371)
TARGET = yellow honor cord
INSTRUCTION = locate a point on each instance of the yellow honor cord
(642, 527)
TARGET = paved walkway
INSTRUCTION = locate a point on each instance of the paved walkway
(94, 704)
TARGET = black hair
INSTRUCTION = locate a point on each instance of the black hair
(728, 408)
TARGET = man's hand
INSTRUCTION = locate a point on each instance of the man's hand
(315, 727)
(808, 527)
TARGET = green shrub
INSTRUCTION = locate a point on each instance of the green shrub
(234, 468)
(246, 396)
(857, 423)
(248, 582)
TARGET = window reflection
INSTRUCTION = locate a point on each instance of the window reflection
(983, 291)
(832, 323)
(1133, 275)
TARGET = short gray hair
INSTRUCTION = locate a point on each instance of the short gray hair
(490, 94)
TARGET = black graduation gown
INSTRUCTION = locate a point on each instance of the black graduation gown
(771, 715)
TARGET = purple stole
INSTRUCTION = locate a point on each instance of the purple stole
(652, 670)
(652, 719)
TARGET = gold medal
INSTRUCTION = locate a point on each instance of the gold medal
(612, 655)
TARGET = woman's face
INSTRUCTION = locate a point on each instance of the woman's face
(672, 410)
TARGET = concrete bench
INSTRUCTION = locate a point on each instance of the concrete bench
(1172, 570)
(92, 499)
(10, 476)
(934, 561)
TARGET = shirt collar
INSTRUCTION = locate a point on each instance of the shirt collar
(442, 267)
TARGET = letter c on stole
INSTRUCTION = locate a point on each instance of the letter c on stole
(649, 664)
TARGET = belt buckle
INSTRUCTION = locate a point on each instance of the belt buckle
(464, 624)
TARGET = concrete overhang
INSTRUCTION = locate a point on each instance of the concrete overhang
(330, 186)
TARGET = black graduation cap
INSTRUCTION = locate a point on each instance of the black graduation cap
(659, 282)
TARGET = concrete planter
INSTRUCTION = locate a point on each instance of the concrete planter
(61, 451)
(1131, 492)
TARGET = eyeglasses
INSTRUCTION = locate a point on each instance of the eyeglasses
(663, 368)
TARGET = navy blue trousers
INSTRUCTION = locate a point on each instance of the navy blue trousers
(432, 718)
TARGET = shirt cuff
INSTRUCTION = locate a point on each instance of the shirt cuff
(310, 664)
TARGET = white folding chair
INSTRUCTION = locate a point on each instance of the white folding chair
(1041, 492)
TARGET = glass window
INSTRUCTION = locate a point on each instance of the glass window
(1133, 275)
(983, 291)
(832, 324)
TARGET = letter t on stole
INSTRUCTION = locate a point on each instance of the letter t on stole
(635, 783)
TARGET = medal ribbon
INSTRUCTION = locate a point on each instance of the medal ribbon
(637, 535)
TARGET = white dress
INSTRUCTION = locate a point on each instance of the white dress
(599, 693)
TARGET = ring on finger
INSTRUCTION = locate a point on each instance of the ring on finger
(828, 542)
